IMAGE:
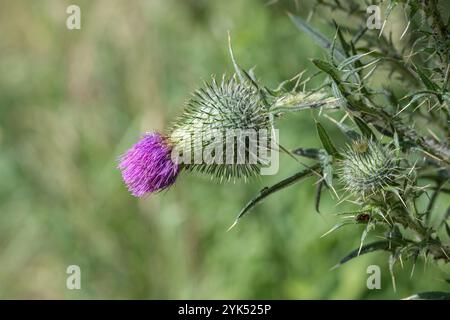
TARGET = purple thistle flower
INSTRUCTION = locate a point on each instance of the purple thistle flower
(147, 167)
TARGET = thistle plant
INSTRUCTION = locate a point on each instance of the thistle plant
(397, 154)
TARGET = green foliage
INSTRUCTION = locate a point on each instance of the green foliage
(399, 163)
(71, 101)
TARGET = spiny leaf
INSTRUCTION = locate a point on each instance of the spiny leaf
(359, 35)
(444, 221)
(431, 295)
(447, 77)
(342, 102)
(333, 47)
(352, 59)
(326, 141)
(264, 193)
(447, 229)
(349, 132)
(345, 46)
(328, 68)
(374, 246)
(444, 217)
(339, 89)
(364, 128)
(320, 39)
(430, 85)
(424, 93)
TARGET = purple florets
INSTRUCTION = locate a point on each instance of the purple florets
(147, 167)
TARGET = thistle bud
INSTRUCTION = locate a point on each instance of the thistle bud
(224, 131)
(369, 168)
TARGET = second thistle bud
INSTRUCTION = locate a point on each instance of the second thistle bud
(369, 168)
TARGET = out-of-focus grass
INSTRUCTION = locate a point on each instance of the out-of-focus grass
(72, 101)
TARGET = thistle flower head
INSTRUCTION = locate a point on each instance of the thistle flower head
(369, 168)
(147, 167)
(219, 117)
(224, 132)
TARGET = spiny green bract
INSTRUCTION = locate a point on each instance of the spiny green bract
(369, 168)
(223, 109)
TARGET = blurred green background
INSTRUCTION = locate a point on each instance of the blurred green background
(72, 101)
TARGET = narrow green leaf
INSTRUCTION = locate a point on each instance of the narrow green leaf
(364, 128)
(447, 229)
(414, 8)
(264, 193)
(332, 50)
(359, 35)
(339, 89)
(326, 141)
(443, 221)
(349, 132)
(431, 295)
(320, 39)
(328, 68)
(345, 46)
(446, 79)
(357, 105)
(424, 93)
(374, 246)
(352, 59)
(430, 85)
